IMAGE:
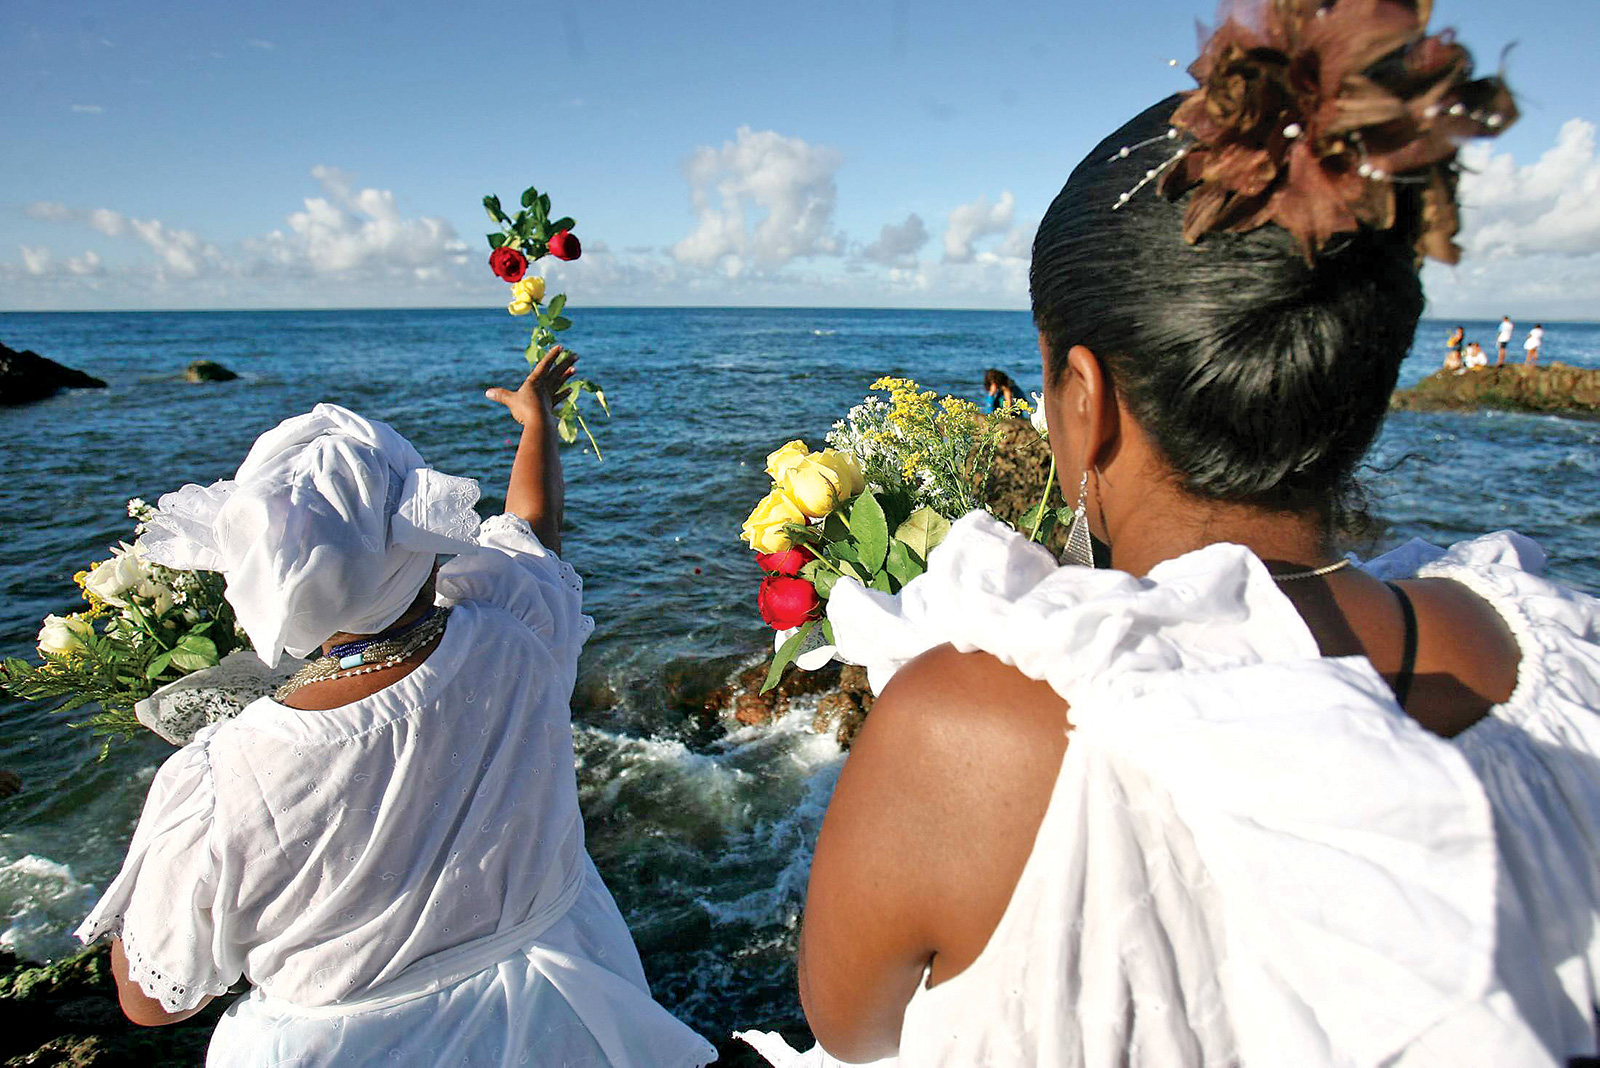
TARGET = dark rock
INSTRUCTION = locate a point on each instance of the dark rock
(26, 377)
(1553, 389)
(1016, 477)
(66, 1013)
(207, 371)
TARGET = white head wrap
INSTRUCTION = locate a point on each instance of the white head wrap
(331, 524)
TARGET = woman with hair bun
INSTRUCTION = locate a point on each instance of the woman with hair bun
(1239, 798)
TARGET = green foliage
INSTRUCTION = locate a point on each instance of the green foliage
(786, 654)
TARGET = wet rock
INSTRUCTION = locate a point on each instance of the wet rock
(753, 709)
(207, 371)
(66, 1013)
(26, 377)
(1553, 389)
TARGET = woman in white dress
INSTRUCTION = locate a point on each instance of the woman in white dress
(1233, 799)
(389, 851)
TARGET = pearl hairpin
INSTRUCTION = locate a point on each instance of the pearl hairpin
(1152, 174)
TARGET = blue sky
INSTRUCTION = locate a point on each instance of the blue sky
(893, 153)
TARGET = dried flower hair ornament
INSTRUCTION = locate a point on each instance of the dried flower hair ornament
(1310, 112)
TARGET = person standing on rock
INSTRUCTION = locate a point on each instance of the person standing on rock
(1531, 346)
(1506, 326)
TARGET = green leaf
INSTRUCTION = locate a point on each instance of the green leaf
(1026, 521)
(902, 563)
(560, 322)
(834, 528)
(544, 205)
(880, 582)
(496, 240)
(869, 530)
(600, 398)
(158, 665)
(562, 223)
(529, 195)
(844, 550)
(491, 204)
(827, 631)
(823, 579)
(924, 529)
(786, 654)
(854, 571)
(558, 302)
(520, 224)
(568, 429)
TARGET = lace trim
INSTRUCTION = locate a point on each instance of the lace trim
(173, 995)
(567, 573)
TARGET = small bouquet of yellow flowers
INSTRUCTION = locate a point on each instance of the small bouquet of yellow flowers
(145, 626)
(870, 507)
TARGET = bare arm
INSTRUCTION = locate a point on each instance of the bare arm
(537, 491)
(935, 814)
(138, 1006)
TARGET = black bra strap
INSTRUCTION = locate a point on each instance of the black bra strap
(1408, 659)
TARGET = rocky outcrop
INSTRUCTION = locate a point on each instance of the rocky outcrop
(207, 371)
(66, 1013)
(26, 377)
(1553, 389)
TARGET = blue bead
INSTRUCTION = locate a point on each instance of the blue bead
(353, 660)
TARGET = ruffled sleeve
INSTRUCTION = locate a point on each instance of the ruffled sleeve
(988, 588)
(162, 903)
(515, 572)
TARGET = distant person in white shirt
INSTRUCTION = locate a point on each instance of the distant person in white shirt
(1535, 339)
(1506, 327)
(1475, 357)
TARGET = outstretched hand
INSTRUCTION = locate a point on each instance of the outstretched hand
(542, 390)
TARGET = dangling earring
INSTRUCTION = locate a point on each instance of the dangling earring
(1079, 549)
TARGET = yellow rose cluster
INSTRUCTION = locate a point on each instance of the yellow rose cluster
(805, 486)
(525, 294)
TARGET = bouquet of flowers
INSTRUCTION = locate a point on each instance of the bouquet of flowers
(145, 626)
(870, 507)
(525, 238)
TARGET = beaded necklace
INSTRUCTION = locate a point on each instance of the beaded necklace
(370, 654)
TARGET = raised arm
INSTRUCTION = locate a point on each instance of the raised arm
(537, 491)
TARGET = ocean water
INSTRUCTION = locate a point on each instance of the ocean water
(703, 832)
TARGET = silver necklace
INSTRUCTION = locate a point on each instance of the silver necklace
(1316, 572)
(376, 656)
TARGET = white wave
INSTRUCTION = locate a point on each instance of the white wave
(41, 902)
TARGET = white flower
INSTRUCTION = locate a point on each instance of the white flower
(157, 593)
(1038, 420)
(116, 576)
(63, 634)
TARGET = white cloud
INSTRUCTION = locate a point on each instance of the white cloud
(1551, 206)
(970, 222)
(1530, 233)
(36, 260)
(49, 210)
(358, 230)
(87, 264)
(762, 201)
(898, 245)
(88, 109)
(108, 222)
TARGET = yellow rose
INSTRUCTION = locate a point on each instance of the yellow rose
(530, 289)
(763, 531)
(779, 462)
(519, 307)
(845, 466)
(816, 485)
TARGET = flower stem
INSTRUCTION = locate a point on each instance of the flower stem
(1049, 481)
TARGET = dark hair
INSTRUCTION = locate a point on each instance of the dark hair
(1261, 377)
(1000, 380)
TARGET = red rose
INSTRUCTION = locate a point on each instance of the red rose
(508, 263)
(787, 563)
(787, 602)
(565, 245)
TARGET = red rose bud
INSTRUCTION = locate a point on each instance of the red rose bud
(565, 245)
(508, 263)
(787, 563)
(787, 602)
